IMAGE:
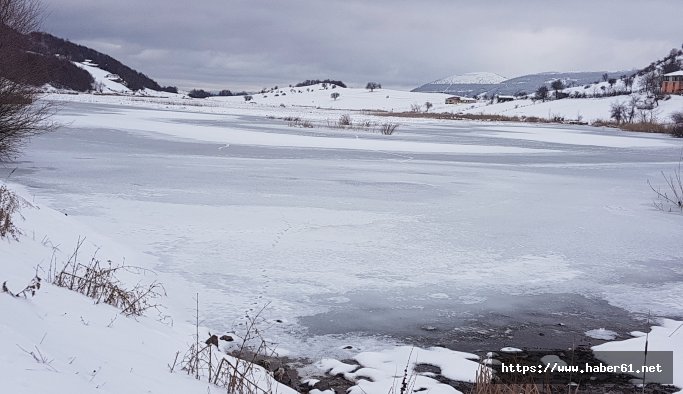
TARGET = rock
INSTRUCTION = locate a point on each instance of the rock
(213, 340)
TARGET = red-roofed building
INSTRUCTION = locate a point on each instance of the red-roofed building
(672, 83)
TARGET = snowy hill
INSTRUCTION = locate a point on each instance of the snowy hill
(479, 78)
(105, 82)
(523, 84)
(50, 46)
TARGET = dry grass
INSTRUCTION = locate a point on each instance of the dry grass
(30, 289)
(10, 204)
(641, 127)
(453, 116)
(345, 122)
(671, 198)
(100, 282)
(485, 383)
(298, 122)
(237, 374)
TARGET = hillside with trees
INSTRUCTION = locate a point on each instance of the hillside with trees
(20, 63)
(50, 45)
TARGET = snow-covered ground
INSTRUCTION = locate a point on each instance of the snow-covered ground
(347, 233)
(471, 78)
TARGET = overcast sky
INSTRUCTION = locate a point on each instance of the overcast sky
(251, 44)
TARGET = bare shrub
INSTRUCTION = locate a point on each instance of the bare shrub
(677, 126)
(416, 108)
(30, 289)
(22, 114)
(244, 372)
(388, 128)
(671, 198)
(642, 127)
(294, 121)
(345, 121)
(365, 124)
(10, 204)
(100, 282)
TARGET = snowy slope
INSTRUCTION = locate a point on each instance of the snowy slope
(349, 98)
(481, 78)
(315, 102)
(62, 342)
(104, 80)
(667, 336)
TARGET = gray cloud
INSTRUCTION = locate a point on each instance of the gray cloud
(257, 43)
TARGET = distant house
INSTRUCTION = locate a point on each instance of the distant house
(460, 100)
(504, 99)
(672, 83)
(114, 78)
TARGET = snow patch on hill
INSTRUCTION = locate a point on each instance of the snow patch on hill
(105, 82)
(481, 78)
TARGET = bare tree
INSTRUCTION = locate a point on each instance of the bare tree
(542, 93)
(23, 16)
(633, 104)
(22, 114)
(628, 81)
(335, 96)
(371, 86)
(619, 112)
(428, 106)
(651, 82)
(557, 85)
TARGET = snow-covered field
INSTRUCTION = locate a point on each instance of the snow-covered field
(350, 238)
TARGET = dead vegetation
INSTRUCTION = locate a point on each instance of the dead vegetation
(298, 122)
(10, 204)
(456, 116)
(486, 384)
(641, 127)
(240, 366)
(670, 197)
(30, 289)
(100, 281)
(345, 122)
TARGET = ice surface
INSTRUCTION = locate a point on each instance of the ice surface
(247, 211)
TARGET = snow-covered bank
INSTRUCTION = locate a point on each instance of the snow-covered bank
(666, 336)
(60, 341)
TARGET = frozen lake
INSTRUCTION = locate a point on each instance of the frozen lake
(455, 231)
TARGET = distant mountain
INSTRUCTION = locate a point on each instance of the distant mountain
(480, 78)
(490, 85)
